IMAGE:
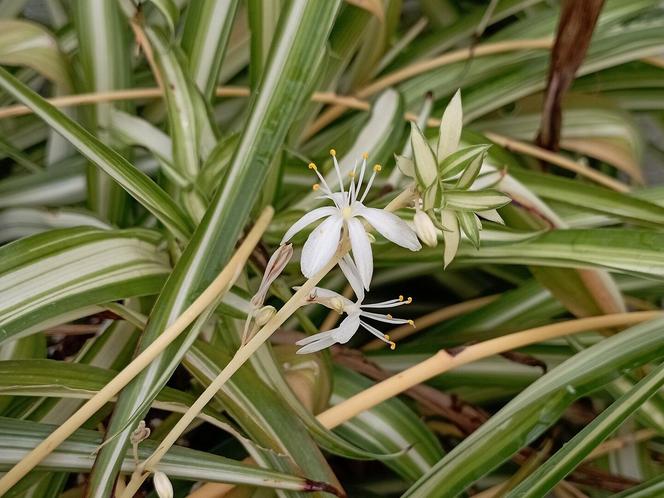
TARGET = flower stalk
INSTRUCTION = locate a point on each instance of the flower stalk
(298, 299)
(241, 356)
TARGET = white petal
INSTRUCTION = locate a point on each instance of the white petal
(390, 226)
(359, 242)
(314, 338)
(352, 274)
(322, 343)
(321, 245)
(347, 328)
(307, 219)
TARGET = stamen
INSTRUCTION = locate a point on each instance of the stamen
(365, 155)
(411, 323)
(376, 169)
(353, 188)
(391, 303)
(333, 152)
(338, 170)
(326, 188)
(315, 186)
(383, 318)
(361, 178)
(379, 334)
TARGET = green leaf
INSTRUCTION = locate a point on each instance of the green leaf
(260, 412)
(460, 160)
(16, 223)
(78, 455)
(170, 12)
(24, 43)
(36, 378)
(56, 276)
(469, 175)
(267, 367)
(205, 37)
(474, 200)
(451, 124)
(189, 130)
(530, 413)
(286, 85)
(139, 185)
(389, 428)
(469, 224)
(581, 445)
(103, 41)
(263, 19)
(593, 198)
(649, 489)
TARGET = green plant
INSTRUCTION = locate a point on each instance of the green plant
(157, 158)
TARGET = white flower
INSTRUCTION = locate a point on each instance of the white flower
(348, 208)
(356, 311)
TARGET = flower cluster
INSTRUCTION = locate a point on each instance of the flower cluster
(349, 217)
(450, 194)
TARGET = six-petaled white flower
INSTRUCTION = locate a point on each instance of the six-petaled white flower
(357, 313)
(345, 214)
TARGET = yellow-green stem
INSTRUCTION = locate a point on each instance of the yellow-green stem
(240, 357)
(443, 361)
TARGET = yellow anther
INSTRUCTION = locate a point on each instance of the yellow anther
(352, 174)
(400, 298)
(365, 155)
(377, 167)
(409, 300)
(387, 337)
(333, 152)
(411, 323)
(315, 186)
(312, 166)
(393, 345)
(389, 317)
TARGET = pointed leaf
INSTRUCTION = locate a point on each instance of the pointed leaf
(451, 235)
(450, 128)
(458, 161)
(426, 168)
(474, 200)
(469, 226)
(139, 185)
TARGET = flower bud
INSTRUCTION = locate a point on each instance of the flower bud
(162, 485)
(263, 315)
(425, 228)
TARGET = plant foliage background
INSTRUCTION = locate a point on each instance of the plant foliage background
(120, 207)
